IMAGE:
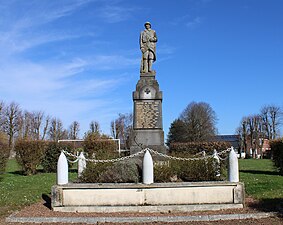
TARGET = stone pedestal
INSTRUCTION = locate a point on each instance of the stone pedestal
(147, 124)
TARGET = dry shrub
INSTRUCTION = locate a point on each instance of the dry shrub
(99, 148)
(29, 154)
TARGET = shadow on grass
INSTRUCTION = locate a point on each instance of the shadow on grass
(47, 200)
(260, 172)
(39, 171)
(268, 205)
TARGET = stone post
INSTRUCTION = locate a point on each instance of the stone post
(147, 168)
(81, 164)
(62, 170)
(233, 172)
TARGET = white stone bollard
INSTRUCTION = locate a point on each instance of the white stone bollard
(147, 168)
(233, 171)
(62, 170)
(81, 164)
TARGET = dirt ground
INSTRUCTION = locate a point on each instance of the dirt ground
(42, 209)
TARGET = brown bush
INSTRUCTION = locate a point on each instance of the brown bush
(29, 154)
(100, 148)
(4, 151)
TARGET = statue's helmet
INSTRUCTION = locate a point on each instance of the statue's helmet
(147, 23)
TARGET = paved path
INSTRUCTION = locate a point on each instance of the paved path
(92, 220)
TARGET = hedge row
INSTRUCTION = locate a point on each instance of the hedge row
(99, 148)
(196, 147)
(119, 172)
(130, 171)
(30, 153)
(4, 151)
(277, 152)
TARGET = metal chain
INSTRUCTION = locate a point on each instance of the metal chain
(178, 158)
(70, 161)
(107, 160)
(117, 159)
(223, 152)
(142, 152)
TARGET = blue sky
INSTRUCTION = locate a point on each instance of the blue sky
(79, 59)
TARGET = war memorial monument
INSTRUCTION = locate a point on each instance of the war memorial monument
(147, 116)
(147, 139)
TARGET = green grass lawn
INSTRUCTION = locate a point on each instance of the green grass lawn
(17, 190)
(261, 182)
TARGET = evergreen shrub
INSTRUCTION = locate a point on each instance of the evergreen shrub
(189, 171)
(277, 153)
(52, 153)
(118, 172)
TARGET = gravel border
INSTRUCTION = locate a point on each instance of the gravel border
(91, 220)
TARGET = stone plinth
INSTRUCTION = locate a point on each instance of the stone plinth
(147, 124)
(147, 198)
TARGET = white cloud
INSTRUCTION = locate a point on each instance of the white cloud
(195, 22)
(187, 20)
(115, 13)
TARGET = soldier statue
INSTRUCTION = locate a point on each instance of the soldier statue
(148, 41)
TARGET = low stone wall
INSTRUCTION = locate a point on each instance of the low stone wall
(157, 197)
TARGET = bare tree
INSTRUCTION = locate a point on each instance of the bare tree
(94, 127)
(45, 127)
(242, 131)
(30, 124)
(114, 129)
(271, 116)
(25, 125)
(200, 120)
(56, 130)
(274, 114)
(252, 134)
(74, 130)
(121, 128)
(2, 106)
(12, 115)
(37, 118)
(266, 122)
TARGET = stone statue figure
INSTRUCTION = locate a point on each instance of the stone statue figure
(148, 41)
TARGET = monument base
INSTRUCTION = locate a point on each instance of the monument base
(150, 138)
(157, 197)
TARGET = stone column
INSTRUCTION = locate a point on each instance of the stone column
(147, 116)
